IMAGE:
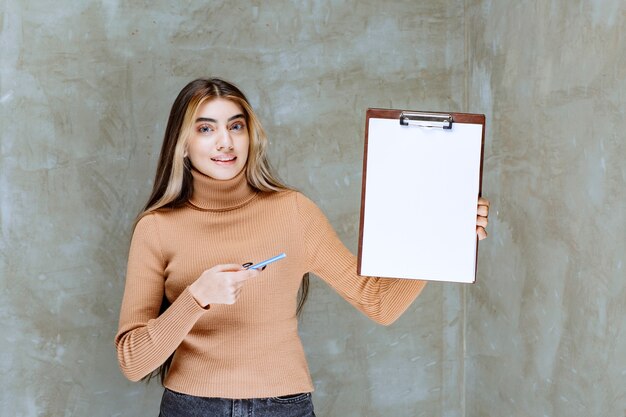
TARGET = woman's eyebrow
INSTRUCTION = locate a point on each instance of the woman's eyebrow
(208, 119)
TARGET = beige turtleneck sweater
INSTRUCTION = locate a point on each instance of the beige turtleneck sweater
(250, 349)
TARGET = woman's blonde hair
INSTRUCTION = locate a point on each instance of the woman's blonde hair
(173, 183)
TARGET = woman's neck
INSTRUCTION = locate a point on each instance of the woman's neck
(219, 195)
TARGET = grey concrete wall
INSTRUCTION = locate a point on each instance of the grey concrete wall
(84, 93)
(85, 88)
(546, 321)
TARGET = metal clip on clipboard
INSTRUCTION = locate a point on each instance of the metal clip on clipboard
(443, 121)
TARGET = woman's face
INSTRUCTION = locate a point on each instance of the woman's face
(218, 146)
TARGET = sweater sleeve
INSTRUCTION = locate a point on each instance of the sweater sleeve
(381, 299)
(146, 339)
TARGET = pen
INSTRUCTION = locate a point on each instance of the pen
(268, 261)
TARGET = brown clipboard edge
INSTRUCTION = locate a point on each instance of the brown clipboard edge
(376, 113)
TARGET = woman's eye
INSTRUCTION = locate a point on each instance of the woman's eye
(237, 126)
(204, 129)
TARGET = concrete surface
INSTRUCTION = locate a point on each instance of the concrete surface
(85, 89)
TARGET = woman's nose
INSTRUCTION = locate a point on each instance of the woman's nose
(224, 142)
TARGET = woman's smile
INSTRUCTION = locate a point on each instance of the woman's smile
(224, 159)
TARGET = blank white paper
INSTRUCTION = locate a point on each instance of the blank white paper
(421, 195)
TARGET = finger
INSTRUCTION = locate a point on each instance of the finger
(229, 267)
(482, 221)
(233, 293)
(230, 300)
(483, 211)
(236, 294)
(481, 232)
(483, 202)
(244, 275)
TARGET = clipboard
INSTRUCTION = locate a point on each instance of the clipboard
(422, 176)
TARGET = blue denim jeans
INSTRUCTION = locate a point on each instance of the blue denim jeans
(174, 404)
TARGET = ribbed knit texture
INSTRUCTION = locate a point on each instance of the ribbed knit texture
(250, 349)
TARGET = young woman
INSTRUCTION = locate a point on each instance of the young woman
(225, 338)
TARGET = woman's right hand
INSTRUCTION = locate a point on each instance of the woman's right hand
(221, 284)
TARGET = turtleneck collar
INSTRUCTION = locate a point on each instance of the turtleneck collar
(220, 195)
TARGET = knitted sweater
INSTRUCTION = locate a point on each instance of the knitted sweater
(250, 349)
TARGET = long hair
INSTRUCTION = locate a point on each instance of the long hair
(173, 182)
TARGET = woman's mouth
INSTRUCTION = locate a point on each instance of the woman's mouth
(224, 159)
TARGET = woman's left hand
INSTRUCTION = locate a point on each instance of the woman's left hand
(482, 218)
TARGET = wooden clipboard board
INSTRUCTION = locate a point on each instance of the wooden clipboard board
(422, 176)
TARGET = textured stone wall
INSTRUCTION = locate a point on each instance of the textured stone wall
(546, 322)
(85, 89)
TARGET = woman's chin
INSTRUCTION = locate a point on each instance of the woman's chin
(222, 173)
